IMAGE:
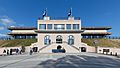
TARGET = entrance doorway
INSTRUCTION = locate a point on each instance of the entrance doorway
(83, 49)
(35, 49)
(59, 39)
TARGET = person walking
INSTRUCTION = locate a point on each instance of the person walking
(17, 51)
(31, 51)
(4, 52)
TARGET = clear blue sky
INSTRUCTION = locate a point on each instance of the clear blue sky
(93, 13)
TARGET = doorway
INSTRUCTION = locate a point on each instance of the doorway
(35, 49)
(59, 39)
(83, 49)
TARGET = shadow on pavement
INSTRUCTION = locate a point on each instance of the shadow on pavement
(80, 61)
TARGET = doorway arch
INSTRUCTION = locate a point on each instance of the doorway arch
(47, 40)
(83, 49)
(70, 40)
(59, 39)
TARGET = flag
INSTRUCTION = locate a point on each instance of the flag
(70, 12)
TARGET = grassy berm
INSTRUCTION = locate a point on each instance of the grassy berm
(103, 42)
(17, 42)
(90, 42)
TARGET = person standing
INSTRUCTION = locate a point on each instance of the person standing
(4, 52)
(20, 51)
(10, 51)
(7, 51)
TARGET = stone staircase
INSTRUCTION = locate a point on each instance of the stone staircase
(68, 48)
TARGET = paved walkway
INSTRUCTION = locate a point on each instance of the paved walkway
(82, 60)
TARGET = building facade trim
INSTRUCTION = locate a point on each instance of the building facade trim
(49, 31)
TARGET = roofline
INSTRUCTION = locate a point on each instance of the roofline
(22, 28)
(62, 31)
(22, 33)
(89, 33)
(78, 31)
(83, 28)
(96, 28)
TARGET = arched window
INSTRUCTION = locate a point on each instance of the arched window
(47, 40)
(59, 39)
(70, 40)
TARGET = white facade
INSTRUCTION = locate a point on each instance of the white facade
(23, 31)
(95, 31)
(59, 28)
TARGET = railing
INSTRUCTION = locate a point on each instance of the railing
(75, 48)
(62, 42)
(60, 18)
(113, 37)
(6, 38)
(69, 45)
(107, 37)
(43, 47)
(11, 38)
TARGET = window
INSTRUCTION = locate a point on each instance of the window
(68, 26)
(59, 26)
(70, 40)
(59, 39)
(47, 40)
(49, 26)
(75, 26)
(42, 26)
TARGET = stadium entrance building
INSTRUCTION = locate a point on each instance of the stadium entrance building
(59, 34)
(64, 33)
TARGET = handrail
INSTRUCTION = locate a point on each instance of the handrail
(55, 42)
(75, 48)
(43, 47)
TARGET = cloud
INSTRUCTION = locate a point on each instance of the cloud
(5, 20)
(2, 28)
(21, 25)
(2, 35)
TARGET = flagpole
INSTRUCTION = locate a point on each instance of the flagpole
(71, 11)
(46, 12)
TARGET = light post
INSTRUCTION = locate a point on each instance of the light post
(95, 42)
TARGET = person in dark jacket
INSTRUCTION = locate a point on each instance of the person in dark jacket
(10, 51)
(17, 51)
(64, 50)
(7, 51)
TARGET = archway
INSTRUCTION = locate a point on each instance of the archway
(47, 40)
(70, 40)
(83, 49)
(59, 39)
